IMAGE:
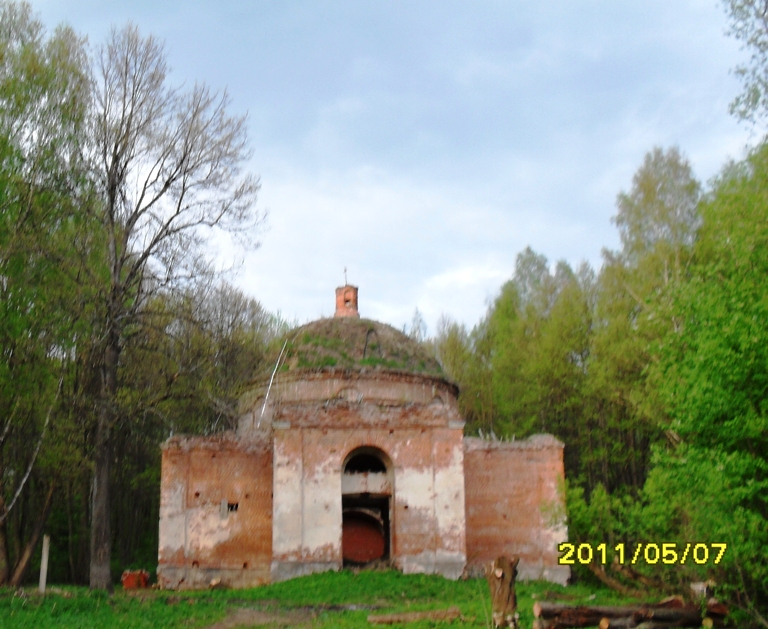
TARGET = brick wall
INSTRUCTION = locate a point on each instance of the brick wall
(515, 506)
(215, 512)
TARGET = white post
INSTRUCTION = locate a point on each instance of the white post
(44, 562)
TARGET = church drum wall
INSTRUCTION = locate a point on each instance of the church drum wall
(514, 503)
(215, 513)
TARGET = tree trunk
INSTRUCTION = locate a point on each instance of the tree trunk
(501, 580)
(5, 565)
(22, 565)
(101, 538)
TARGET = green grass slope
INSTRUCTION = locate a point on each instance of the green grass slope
(343, 599)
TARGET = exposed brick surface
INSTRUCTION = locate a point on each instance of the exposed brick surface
(515, 505)
(134, 579)
(346, 301)
(215, 507)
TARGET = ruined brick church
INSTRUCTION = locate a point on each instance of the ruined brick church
(352, 451)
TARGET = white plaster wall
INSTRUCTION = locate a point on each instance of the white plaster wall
(287, 502)
(449, 506)
(206, 529)
(173, 525)
(366, 482)
(321, 535)
(415, 488)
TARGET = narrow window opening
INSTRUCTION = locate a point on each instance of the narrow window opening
(232, 506)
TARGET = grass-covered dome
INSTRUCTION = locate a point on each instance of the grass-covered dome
(353, 343)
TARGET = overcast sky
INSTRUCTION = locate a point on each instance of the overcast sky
(423, 144)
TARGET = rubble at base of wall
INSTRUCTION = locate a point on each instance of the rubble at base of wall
(285, 570)
(191, 578)
(426, 563)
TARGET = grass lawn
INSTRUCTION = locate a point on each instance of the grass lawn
(342, 599)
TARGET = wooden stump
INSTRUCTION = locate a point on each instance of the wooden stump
(501, 580)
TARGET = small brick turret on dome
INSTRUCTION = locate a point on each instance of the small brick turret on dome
(346, 301)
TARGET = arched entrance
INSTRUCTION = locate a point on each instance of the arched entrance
(366, 495)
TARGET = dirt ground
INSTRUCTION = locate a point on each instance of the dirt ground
(260, 618)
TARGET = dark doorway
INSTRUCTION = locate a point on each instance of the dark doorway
(365, 507)
(364, 529)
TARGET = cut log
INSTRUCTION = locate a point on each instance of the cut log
(657, 624)
(449, 614)
(618, 617)
(670, 612)
(501, 576)
(716, 608)
(617, 623)
(688, 616)
(542, 609)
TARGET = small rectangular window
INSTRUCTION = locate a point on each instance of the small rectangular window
(226, 508)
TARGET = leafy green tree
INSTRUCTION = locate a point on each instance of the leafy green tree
(536, 339)
(451, 347)
(712, 375)
(182, 371)
(465, 358)
(658, 220)
(44, 93)
(659, 216)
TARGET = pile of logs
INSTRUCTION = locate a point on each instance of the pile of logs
(671, 612)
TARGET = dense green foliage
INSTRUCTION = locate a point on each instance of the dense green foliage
(654, 373)
(180, 348)
(712, 377)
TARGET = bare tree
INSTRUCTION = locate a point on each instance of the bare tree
(168, 165)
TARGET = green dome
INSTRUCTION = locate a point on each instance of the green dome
(353, 343)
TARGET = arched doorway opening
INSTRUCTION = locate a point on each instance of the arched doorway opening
(366, 496)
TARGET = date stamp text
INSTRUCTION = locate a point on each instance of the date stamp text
(668, 553)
